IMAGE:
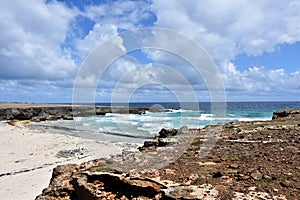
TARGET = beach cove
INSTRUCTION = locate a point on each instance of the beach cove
(29, 156)
(250, 160)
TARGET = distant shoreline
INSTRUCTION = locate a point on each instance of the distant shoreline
(43, 112)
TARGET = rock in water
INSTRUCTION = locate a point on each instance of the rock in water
(165, 132)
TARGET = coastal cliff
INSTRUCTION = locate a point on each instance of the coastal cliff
(42, 112)
(250, 160)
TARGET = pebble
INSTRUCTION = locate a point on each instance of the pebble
(170, 171)
(245, 177)
(256, 176)
(267, 177)
(233, 166)
(252, 188)
(288, 174)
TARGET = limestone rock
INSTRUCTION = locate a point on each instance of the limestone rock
(68, 182)
(293, 114)
(190, 192)
(165, 132)
(51, 117)
(280, 114)
(68, 117)
(233, 166)
(60, 184)
(35, 119)
(256, 176)
(28, 111)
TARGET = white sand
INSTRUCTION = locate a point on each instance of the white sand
(22, 149)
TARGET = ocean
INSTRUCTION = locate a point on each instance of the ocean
(137, 128)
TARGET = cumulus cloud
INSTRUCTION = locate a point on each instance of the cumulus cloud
(229, 28)
(30, 40)
(259, 81)
(33, 67)
(152, 80)
(99, 34)
(44, 42)
(110, 18)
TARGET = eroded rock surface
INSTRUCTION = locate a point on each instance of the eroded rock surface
(250, 160)
(40, 112)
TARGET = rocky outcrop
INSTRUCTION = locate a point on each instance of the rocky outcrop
(94, 180)
(250, 160)
(102, 110)
(36, 112)
(291, 114)
(41, 113)
(60, 184)
(165, 138)
(165, 132)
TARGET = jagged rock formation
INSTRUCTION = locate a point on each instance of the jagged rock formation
(251, 160)
(291, 114)
(36, 112)
(95, 180)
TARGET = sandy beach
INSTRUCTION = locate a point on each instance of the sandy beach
(28, 157)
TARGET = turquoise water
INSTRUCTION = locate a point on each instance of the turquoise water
(134, 127)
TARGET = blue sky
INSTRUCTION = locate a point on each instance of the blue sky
(254, 44)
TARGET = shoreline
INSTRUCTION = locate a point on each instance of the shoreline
(42, 112)
(250, 160)
(29, 156)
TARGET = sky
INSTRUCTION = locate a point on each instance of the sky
(254, 44)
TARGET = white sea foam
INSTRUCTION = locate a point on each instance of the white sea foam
(231, 117)
(253, 119)
(207, 117)
(181, 111)
(114, 125)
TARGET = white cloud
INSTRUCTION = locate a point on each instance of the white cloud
(229, 28)
(108, 19)
(34, 91)
(31, 34)
(126, 14)
(99, 34)
(153, 80)
(35, 35)
(40, 46)
(259, 79)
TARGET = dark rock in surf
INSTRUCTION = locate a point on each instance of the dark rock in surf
(165, 132)
(291, 114)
